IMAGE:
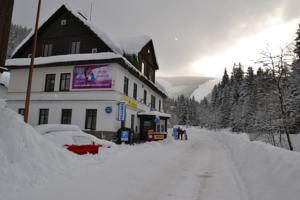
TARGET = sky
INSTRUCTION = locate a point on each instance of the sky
(191, 37)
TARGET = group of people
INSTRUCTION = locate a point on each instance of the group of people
(179, 133)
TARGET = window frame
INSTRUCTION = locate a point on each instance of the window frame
(67, 87)
(145, 97)
(75, 47)
(153, 102)
(43, 117)
(48, 83)
(135, 91)
(47, 50)
(21, 111)
(159, 105)
(93, 119)
(126, 86)
(66, 119)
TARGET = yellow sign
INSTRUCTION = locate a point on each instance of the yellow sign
(158, 137)
(129, 102)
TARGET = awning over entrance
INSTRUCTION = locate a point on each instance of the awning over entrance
(155, 113)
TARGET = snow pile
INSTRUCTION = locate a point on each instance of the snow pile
(268, 172)
(4, 78)
(26, 158)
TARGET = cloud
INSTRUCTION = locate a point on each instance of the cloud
(203, 27)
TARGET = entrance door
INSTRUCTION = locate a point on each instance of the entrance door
(132, 122)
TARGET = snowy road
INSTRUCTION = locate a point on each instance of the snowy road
(198, 169)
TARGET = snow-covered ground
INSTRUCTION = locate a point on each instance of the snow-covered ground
(209, 166)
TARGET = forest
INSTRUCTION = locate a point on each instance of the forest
(264, 103)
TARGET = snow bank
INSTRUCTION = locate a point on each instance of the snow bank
(269, 173)
(4, 78)
(26, 158)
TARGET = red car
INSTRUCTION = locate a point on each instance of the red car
(72, 138)
(83, 149)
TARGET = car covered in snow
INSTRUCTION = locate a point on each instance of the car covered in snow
(73, 138)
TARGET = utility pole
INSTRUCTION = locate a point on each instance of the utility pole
(6, 9)
(28, 92)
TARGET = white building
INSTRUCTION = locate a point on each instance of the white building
(81, 76)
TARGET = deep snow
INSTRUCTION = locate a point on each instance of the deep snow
(209, 166)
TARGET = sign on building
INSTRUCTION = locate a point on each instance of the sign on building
(122, 111)
(92, 76)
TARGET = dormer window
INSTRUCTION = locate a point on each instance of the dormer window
(143, 68)
(63, 22)
(94, 50)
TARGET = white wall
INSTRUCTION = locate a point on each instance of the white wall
(77, 100)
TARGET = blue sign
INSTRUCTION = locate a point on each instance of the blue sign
(121, 111)
(125, 136)
(108, 109)
(157, 120)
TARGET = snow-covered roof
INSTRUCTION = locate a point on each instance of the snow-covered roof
(134, 45)
(101, 35)
(155, 113)
(61, 58)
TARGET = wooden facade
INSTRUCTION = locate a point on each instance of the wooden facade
(6, 9)
(64, 28)
(60, 30)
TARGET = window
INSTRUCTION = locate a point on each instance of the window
(90, 119)
(50, 82)
(143, 68)
(64, 82)
(75, 47)
(135, 91)
(159, 105)
(21, 111)
(153, 102)
(94, 50)
(43, 116)
(63, 22)
(47, 50)
(66, 116)
(145, 97)
(29, 55)
(125, 90)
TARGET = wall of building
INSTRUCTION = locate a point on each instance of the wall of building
(78, 100)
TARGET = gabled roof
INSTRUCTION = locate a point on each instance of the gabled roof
(101, 35)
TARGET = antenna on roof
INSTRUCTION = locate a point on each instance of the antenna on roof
(91, 11)
(82, 15)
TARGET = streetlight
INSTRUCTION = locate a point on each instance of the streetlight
(28, 92)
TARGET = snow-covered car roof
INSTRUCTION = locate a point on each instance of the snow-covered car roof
(62, 134)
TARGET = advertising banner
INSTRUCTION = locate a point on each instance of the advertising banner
(92, 76)
(129, 102)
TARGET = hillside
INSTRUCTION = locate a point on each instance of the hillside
(187, 86)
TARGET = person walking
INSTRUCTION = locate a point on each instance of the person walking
(180, 133)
